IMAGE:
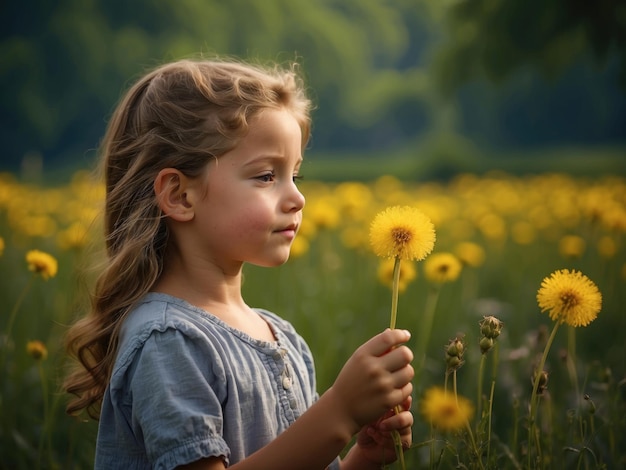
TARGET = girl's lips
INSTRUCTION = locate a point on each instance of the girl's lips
(289, 232)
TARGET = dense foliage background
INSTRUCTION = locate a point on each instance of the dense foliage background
(436, 80)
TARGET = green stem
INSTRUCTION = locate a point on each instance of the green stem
(467, 424)
(16, 307)
(429, 313)
(494, 374)
(392, 324)
(432, 447)
(479, 396)
(573, 374)
(534, 397)
(44, 427)
(394, 293)
(493, 387)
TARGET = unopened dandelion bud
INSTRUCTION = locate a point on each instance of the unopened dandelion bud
(490, 327)
(453, 362)
(485, 344)
(455, 348)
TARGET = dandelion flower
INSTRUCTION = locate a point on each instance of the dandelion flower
(470, 254)
(572, 246)
(402, 232)
(442, 267)
(42, 263)
(570, 297)
(444, 411)
(37, 350)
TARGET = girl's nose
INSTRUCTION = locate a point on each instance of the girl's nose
(295, 199)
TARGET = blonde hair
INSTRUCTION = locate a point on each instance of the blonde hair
(180, 115)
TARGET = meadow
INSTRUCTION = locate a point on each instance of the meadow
(523, 398)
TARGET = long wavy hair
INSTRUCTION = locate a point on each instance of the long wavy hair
(180, 115)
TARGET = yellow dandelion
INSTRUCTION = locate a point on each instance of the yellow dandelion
(385, 274)
(442, 267)
(74, 237)
(570, 297)
(470, 254)
(323, 213)
(37, 350)
(572, 246)
(444, 411)
(402, 232)
(42, 263)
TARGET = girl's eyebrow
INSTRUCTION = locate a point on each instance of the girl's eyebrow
(270, 159)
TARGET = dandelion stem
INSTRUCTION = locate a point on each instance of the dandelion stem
(16, 307)
(431, 447)
(493, 387)
(571, 370)
(479, 396)
(394, 293)
(534, 397)
(44, 431)
(392, 324)
(429, 312)
(494, 374)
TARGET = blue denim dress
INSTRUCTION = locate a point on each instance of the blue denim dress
(185, 385)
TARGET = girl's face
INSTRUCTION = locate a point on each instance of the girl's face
(253, 208)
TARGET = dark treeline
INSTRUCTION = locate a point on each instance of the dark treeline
(383, 74)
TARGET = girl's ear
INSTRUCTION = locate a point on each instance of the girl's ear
(170, 187)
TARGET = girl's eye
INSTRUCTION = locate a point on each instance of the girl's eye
(266, 178)
(297, 178)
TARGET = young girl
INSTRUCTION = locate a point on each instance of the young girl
(201, 160)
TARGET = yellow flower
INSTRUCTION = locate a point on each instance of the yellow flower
(323, 213)
(402, 232)
(442, 267)
(470, 254)
(37, 350)
(42, 263)
(1, 246)
(570, 297)
(74, 237)
(571, 246)
(385, 273)
(444, 411)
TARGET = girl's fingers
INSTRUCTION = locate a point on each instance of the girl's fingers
(397, 359)
(402, 420)
(386, 341)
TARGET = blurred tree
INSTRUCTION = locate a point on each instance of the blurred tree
(369, 65)
(496, 38)
(65, 63)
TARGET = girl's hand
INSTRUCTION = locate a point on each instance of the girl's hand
(375, 442)
(375, 380)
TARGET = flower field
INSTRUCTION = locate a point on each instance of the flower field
(517, 313)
